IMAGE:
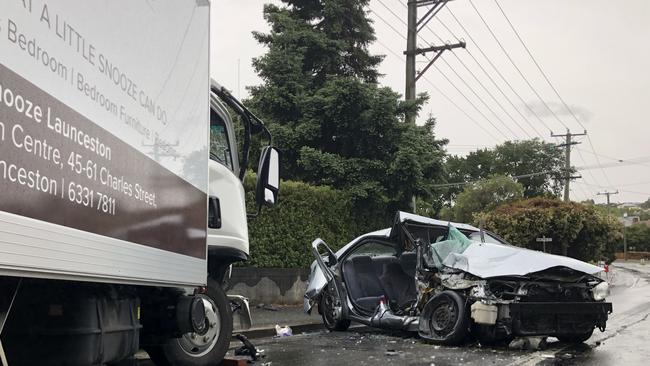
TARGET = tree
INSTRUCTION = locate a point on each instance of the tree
(638, 237)
(331, 120)
(511, 159)
(646, 204)
(579, 231)
(484, 196)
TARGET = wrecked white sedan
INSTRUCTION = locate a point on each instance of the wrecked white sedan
(450, 281)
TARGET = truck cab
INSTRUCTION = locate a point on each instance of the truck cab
(227, 240)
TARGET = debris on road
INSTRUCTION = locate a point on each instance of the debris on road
(283, 331)
(268, 307)
(248, 349)
(528, 343)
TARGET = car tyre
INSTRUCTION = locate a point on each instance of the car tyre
(331, 319)
(575, 338)
(447, 319)
(187, 350)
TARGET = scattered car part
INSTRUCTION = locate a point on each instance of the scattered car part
(247, 349)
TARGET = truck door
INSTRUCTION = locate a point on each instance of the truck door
(227, 227)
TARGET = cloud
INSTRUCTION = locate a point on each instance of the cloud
(558, 109)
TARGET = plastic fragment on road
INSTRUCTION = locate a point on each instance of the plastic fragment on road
(283, 331)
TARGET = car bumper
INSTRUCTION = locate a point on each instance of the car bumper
(558, 318)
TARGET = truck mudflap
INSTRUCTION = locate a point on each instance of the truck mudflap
(558, 318)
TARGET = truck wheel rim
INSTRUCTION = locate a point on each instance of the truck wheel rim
(197, 345)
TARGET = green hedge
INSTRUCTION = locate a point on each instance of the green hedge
(281, 236)
(579, 231)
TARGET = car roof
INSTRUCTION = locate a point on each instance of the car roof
(409, 217)
(405, 217)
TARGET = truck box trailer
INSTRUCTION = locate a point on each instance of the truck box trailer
(121, 198)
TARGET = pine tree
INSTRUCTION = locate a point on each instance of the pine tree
(332, 121)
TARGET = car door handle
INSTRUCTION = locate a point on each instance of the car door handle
(214, 213)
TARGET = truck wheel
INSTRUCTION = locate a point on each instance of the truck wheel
(200, 350)
(575, 338)
(446, 319)
(331, 315)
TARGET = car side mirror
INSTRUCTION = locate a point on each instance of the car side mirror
(268, 177)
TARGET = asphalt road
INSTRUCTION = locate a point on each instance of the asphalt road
(625, 342)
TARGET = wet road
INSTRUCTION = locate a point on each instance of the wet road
(625, 342)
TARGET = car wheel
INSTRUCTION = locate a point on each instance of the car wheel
(446, 318)
(200, 350)
(330, 309)
(575, 338)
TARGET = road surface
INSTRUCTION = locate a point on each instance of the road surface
(625, 342)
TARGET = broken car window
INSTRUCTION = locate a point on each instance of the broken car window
(456, 242)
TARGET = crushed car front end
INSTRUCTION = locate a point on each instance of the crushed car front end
(544, 303)
(510, 292)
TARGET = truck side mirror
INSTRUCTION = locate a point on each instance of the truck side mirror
(268, 177)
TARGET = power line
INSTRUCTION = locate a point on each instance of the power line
(514, 64)
(492, 96)
(460, 184)
(588, 171)
(512, 89)
(628, 162)
(591, 145)
(548, 81)
(476, 95)
(620, 190)
(443, 94)
(491, 79)
(452, 83)
(471, 103)
(481, 83)
(462, 80)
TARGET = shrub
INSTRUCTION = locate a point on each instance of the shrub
(577, 230)
(282, 236)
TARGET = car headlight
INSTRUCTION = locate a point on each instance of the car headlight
(600, 291)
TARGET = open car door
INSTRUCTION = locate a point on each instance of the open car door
(334, 295)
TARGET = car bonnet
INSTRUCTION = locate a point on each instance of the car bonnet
(487, 260)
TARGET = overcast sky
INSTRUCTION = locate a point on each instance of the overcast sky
(594, 52)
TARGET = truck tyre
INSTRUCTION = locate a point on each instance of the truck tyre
(197, 350)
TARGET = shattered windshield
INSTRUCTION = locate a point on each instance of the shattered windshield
(454, 242)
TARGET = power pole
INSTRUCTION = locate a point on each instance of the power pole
(567, 160)
(607, 193)
(415, 25)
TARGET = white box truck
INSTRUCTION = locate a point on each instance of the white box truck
(121, 198)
